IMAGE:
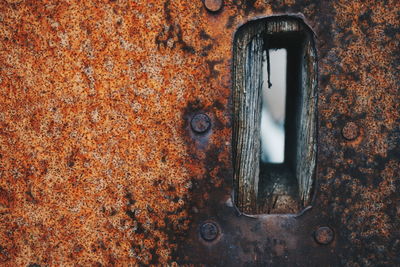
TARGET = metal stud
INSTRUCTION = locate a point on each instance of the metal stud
(350, 131)
(200, 123)
(209, 231)
(213, 5)
(323, 235)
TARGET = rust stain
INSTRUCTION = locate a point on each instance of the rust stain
(99, 166)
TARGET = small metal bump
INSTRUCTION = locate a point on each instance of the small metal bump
(209, 231)
(323, 235)
(350, 131)
(213, 5)
(200, 123)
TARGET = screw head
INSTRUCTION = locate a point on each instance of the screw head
(350, 131)
(209, 231)
(213, 5)
(200, 123)
(323, 235)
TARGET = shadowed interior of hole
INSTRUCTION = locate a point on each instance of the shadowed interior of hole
(272, 130)
(279, 178)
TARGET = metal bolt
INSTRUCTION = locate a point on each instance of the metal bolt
(323, 235)
(200, 123)
(213, 5)
(209, 231)
(350, 131)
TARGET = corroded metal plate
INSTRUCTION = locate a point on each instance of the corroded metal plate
(99, 164)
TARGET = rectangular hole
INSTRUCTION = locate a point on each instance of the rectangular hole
(274, 133)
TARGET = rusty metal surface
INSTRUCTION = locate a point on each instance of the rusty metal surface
(99, 165)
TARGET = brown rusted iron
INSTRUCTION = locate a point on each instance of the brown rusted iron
(99, 165)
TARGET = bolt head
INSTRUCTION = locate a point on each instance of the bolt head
(200, 123)
(350, 131)
(213, 5)
(209, 231)
(324, 235)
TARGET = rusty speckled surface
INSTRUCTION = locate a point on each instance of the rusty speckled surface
(99, 166)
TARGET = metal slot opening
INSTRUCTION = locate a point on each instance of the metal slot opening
(274, 133)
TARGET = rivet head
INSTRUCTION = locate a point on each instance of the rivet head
(200, 123)
(209, 231)
(350, 131)
(213, 5)
(323, 235)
